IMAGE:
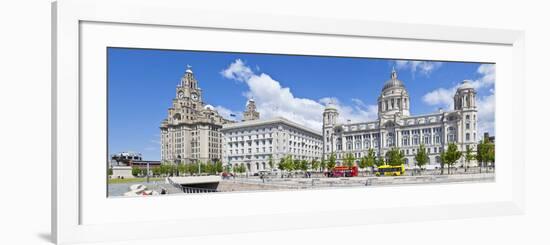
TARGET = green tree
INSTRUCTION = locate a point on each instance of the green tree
(395, 157)
(421, 157)
(491, 154)
(485, 153)
(371, 159)
(315, 165)
(304, 165)
(468, 156)
(296, 165)
(218, 167)
(282, 164)
(363, 163)
(331, 162)
(270, 162)
(206, 168)
(380, 162)
(193, 168)
(322, 165)
(286, 164)
(442, 160)
(182, 169)
(240, 168)
(227, 168)
(451, 156)
(109, 171)
(349, 160)
(136, 171)
(156, 171)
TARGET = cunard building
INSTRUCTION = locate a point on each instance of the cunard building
(395, 127)
(190, 133)
(253, 142)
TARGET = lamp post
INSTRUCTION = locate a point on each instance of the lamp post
(147, 172)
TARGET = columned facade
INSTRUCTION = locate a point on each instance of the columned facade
(254, 143)
(395, 127)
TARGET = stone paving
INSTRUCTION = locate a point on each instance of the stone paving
(254, 183)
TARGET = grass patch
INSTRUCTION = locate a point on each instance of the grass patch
(132, 180)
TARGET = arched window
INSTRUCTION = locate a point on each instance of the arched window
(358, 145)
(437, 159)
(467, 117)
(467, 136)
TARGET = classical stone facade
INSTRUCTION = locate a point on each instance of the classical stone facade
(395, 127)
(190, 133)
(252, 143)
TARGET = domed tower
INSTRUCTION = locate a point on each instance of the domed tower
(251, 113)
(188, 89)
(465, 102)
(330, 118)
(394, 98)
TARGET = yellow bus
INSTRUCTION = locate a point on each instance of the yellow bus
(389, 170)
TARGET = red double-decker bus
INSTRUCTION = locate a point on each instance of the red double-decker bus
(343, 171)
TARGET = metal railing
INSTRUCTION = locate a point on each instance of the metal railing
(188, 189)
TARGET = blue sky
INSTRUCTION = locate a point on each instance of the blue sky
(142, 84)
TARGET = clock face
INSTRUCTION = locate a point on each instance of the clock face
(180, 95)
(194, 96)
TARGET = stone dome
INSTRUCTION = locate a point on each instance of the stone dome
(466, 84)
(209, 107)
(393, 82)
(330, 106)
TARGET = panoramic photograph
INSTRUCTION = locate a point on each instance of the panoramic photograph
(184, 122)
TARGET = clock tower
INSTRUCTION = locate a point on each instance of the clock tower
(190, 132)
(188, 91)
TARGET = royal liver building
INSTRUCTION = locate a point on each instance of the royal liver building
(395, 127)
(190, 133)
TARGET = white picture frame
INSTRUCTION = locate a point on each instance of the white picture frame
(70, 198)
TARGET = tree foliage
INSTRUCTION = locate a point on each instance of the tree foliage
(421, 157)
(315, 165)
(468, 156)
(136, 171)
(380, 162)
(304, 165)
(331, 161)
(451, 156)
(371, 158)
(363, 162)
(322, 165)
(395, 157)
(270, 162)
(485, 153)
(349, 160)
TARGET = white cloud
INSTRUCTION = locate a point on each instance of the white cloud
(423, 67)
(226, 113)
(444, 96)
(237, 71)
(485, 105)
(440, 96)
(273, 100)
